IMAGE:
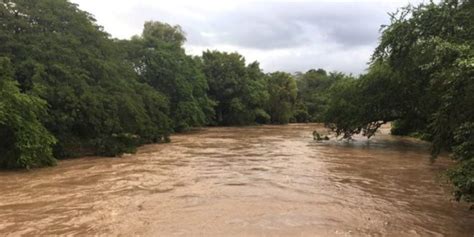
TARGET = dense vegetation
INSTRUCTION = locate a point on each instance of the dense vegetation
(68, 89)
(159, 60)
(91, 99)
(314, 94)
(422, 78)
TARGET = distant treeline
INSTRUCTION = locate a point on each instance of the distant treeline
(68, 89)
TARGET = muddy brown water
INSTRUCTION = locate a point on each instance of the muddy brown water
(252, 181)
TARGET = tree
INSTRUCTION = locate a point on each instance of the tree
(25, 141)
(434, 48)
(421, 78)
(238, 89)
(282, 90)
(313, 87)
(363, 105)
(257, 96)
(95, 103)
(158, 57)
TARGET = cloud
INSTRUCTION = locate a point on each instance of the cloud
(289, 25)
(281, 35)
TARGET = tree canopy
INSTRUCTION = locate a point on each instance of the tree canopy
(95, 104)
(282, 91)
(25, 141)
(421, 79)
(238, 89)
(160, 61)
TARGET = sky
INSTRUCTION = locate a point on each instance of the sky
(286, 35)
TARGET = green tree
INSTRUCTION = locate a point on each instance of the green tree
(158, 57)
(282, 90)
(363, 105)
(238, 89)
(421, 78)
(433, 45)
(25, 142)
(257, 95)
(96, 103)
(313, 88)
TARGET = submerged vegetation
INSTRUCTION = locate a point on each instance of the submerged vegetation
(68, 89)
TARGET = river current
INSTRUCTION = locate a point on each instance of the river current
(241, 181)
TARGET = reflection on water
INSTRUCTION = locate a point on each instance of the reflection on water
(253, 181)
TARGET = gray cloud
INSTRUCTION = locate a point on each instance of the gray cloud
(289, 25)
(279, 24)
(291, 36)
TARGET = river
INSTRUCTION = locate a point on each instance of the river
(241, 181)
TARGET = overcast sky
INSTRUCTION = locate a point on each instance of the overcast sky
(282, 35)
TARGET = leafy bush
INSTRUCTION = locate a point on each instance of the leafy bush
(25, 142)
(117, 144)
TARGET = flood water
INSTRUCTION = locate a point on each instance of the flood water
(252, 181)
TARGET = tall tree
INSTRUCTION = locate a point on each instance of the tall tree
(25, 142)
(313, 88)
(422, 79)
(158, 57)
(282, 90)
(236, 87)
(95, 103)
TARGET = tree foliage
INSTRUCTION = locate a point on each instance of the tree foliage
(160, 61)
(60, 55)
(238, 89)
(282, 91)
(25, 141)
(421, 78)
(314, 93)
